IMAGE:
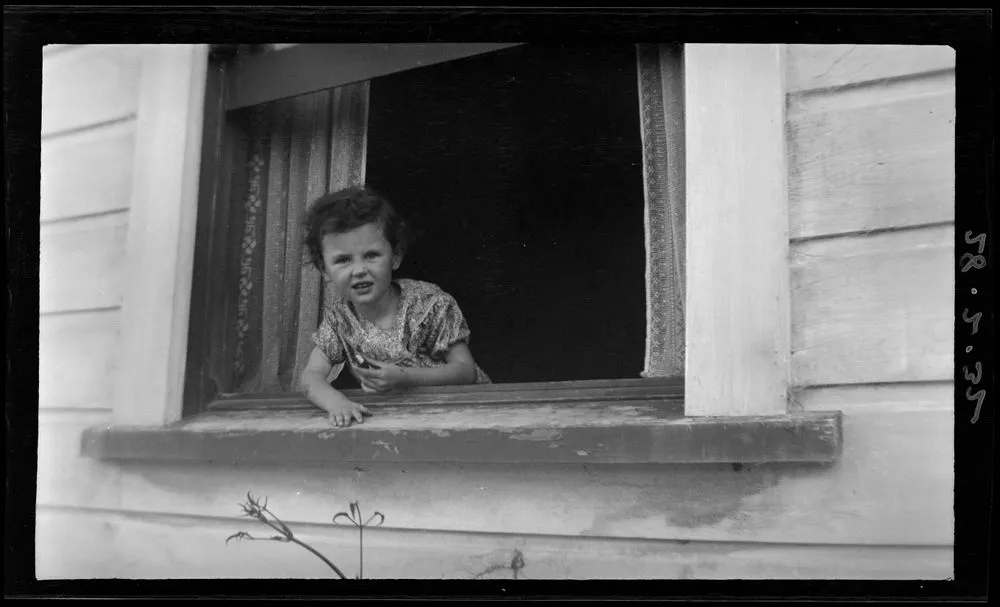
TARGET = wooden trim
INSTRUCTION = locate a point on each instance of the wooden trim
(738, 319)
(307, 68)
(161, 234)
(529, 433)
(655, 389)
(210, 258)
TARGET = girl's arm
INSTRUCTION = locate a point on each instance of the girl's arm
(459, 369)
(314, 383)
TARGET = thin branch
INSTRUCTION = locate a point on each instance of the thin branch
(321, 557)
(255, 510)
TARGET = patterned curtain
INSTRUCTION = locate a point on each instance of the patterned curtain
(661, 100)
(293, 150)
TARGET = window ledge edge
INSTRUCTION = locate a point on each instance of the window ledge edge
(596, 434)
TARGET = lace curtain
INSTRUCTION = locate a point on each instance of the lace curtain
(291, 151)
(661, 100)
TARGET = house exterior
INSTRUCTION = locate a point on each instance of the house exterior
(833, 163)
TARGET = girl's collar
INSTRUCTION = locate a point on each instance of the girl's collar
(398, 289)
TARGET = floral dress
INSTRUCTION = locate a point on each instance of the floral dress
(428, 323)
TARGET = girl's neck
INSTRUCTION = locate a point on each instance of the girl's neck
(382, 310)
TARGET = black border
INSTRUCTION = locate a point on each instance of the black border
(968, 31)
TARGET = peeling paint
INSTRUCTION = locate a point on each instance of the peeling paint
(402, 419)
(540, 434)
(564, 437)
(388, 447)
(500, 564)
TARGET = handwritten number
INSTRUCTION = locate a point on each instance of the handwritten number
(974, 319)
(969, 260)
(981, 240)
(973, 378)
(978, 396)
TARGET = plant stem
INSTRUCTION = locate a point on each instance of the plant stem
(361, 551)
(323, 558)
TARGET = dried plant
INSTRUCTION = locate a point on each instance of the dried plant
(253, 508)
(355, 518)
(257, 509)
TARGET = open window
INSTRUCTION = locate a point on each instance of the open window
(546, 184)
(463, 138)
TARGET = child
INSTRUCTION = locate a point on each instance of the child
(395, 334)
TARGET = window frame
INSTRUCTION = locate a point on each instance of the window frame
(727, 414)
(239, 78)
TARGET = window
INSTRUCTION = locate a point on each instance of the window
(733, 407)
(544, 172)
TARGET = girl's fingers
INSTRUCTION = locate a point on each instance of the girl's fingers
(370, 373)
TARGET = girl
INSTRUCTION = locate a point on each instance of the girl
(394, 334)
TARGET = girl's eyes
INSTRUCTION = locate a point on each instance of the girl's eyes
(344, 259)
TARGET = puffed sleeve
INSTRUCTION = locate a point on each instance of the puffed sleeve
(328, 341)
(445, 326)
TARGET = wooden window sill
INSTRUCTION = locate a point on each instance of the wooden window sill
(622, 425)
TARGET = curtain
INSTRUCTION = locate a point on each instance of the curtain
(661, 101)
(293, 150)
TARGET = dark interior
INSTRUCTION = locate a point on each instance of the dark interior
(522, 172)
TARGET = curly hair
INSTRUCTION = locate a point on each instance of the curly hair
(346, 210)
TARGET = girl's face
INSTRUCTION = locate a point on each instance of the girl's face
(359, 264)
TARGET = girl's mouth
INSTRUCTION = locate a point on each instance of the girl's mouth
(363, 287)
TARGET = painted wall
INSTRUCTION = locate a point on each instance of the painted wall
(871, 144)
(89, 105)
(871, 336)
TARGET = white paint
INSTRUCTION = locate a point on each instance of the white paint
(737, 305)
(156, 303)
(168, 547)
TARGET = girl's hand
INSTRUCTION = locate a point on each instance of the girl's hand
(384, 379)
(345, 411)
